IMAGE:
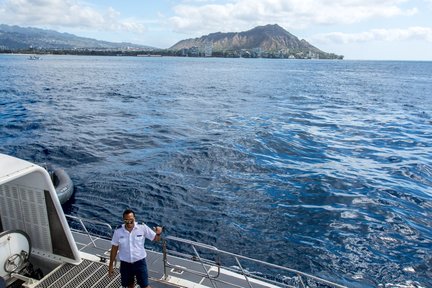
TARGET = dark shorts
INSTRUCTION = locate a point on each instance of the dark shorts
(137, 269)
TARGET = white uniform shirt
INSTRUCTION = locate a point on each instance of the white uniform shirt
(131, 244)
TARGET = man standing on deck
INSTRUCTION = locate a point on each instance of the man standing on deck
(129, 240)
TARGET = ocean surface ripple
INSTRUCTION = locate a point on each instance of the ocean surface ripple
(321, 166)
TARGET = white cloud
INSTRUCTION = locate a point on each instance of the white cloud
(244, 14)
(387, 35)
(64, 13)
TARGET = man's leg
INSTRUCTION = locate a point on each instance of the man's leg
(127, 275)
(141, 273)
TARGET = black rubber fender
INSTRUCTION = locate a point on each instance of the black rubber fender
(63, 184)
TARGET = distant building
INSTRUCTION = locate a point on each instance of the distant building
(194, 51)
(208, 49)
(257, 52)
(312, 55)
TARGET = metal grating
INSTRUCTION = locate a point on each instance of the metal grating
(86, 274)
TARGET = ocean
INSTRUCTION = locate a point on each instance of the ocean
(321, 166)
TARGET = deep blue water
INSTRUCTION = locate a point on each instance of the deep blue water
(322, 166)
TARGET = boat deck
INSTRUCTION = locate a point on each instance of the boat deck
(95, 273)
(88, 274)
(177, 271)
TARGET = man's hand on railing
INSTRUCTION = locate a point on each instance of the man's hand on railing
(158, 230)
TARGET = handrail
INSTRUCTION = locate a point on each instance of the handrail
(237, 258)
(81, 221)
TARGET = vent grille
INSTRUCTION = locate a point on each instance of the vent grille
(10, 208)
(23, 208)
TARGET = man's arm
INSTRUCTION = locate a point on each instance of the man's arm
(113, 255)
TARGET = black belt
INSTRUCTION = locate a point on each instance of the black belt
(130, 263)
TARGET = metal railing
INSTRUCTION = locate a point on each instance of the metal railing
(301, 279)
(287, 277)
(94, 223)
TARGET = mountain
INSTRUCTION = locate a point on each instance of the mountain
(17, 38)
(269, 39)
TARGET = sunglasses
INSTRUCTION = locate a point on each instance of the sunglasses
(130, 221)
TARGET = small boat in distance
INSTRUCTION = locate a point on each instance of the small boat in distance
(34, 57)
(40, 246)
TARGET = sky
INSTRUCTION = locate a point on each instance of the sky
(357, 29)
